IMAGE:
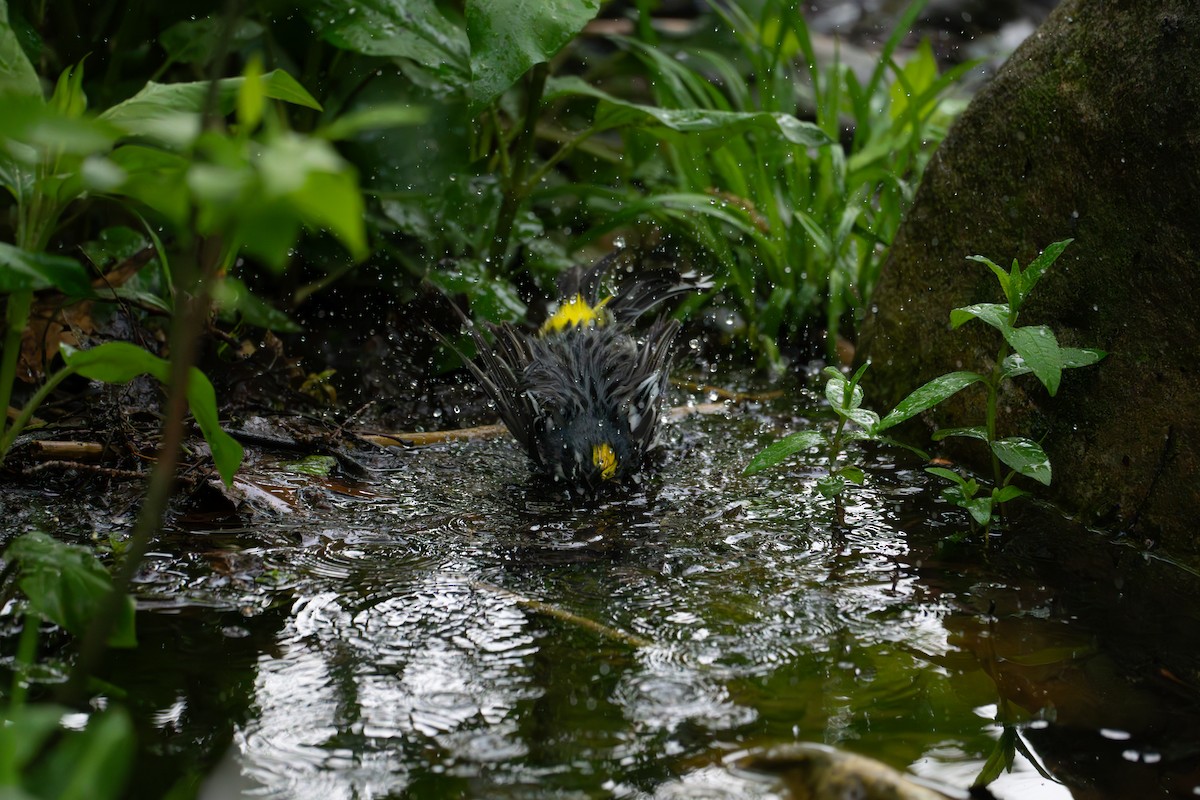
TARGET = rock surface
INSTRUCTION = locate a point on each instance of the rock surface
(1091, 130)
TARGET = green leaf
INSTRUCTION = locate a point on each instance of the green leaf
(232, 294)
(251, 96)
(411, 29)
(170, 111)
(1006, 493)
(973, 432)
(91, 764)
(994, 314)
(1033, 273)
(712, 126)
(375, 117)
(1039, 350)
(1075, 357)
(202, 400)
(928, 396)
(17, 75)
(66, 585)
(980, 509)
(789, 445)
(831, 485)
(121, 362)
(510, 36)
(1013, 366)
(1025, 456)
(194, 41)
(68, 98)
(1005, 279)
(852, 474)
(890, 442)
(835, 393)
(1000, 759)
(948, 474)
(26, 729)
(863, 417)
(21, 270)
(156, 178)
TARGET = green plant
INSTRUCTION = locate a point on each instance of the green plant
(1030, 349)
(845, 397)
(810, 207)
(64, 585)
(166, 157)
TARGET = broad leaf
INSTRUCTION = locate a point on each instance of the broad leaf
(948, 474)
(716, 126)
(411, 29)
(121, 362)
(831, 485)
(193, 41)
(1072, 358)
(66, 585)
(232, 294)
(835, 393)
(1025, 456)
(170, 111)
(1038, 348)
(928, 396)
(973, 432)
(994, 314)
(1075, 357)
(789, 445)
(510, 36)
(21, 270)
(852, 474)
(863, 417)
(1006, 493)
(17, 75)
(91, 764)
(980, 509)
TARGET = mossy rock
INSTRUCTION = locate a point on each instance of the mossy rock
(1091, 130)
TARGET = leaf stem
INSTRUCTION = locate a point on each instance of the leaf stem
(516, 187)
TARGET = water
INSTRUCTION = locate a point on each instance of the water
(449, 629)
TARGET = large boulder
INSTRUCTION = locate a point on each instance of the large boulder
(1091, 130)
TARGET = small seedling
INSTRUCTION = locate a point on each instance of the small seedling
(1024, 350)
(1031, 349)
(845, 397)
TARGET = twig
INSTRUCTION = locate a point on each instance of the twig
(607, 631)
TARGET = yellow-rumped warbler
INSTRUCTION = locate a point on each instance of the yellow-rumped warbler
(584, 394)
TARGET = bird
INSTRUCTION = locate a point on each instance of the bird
(584, 394)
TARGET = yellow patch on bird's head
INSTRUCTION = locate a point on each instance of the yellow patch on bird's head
(575, 312)
(605, 459)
